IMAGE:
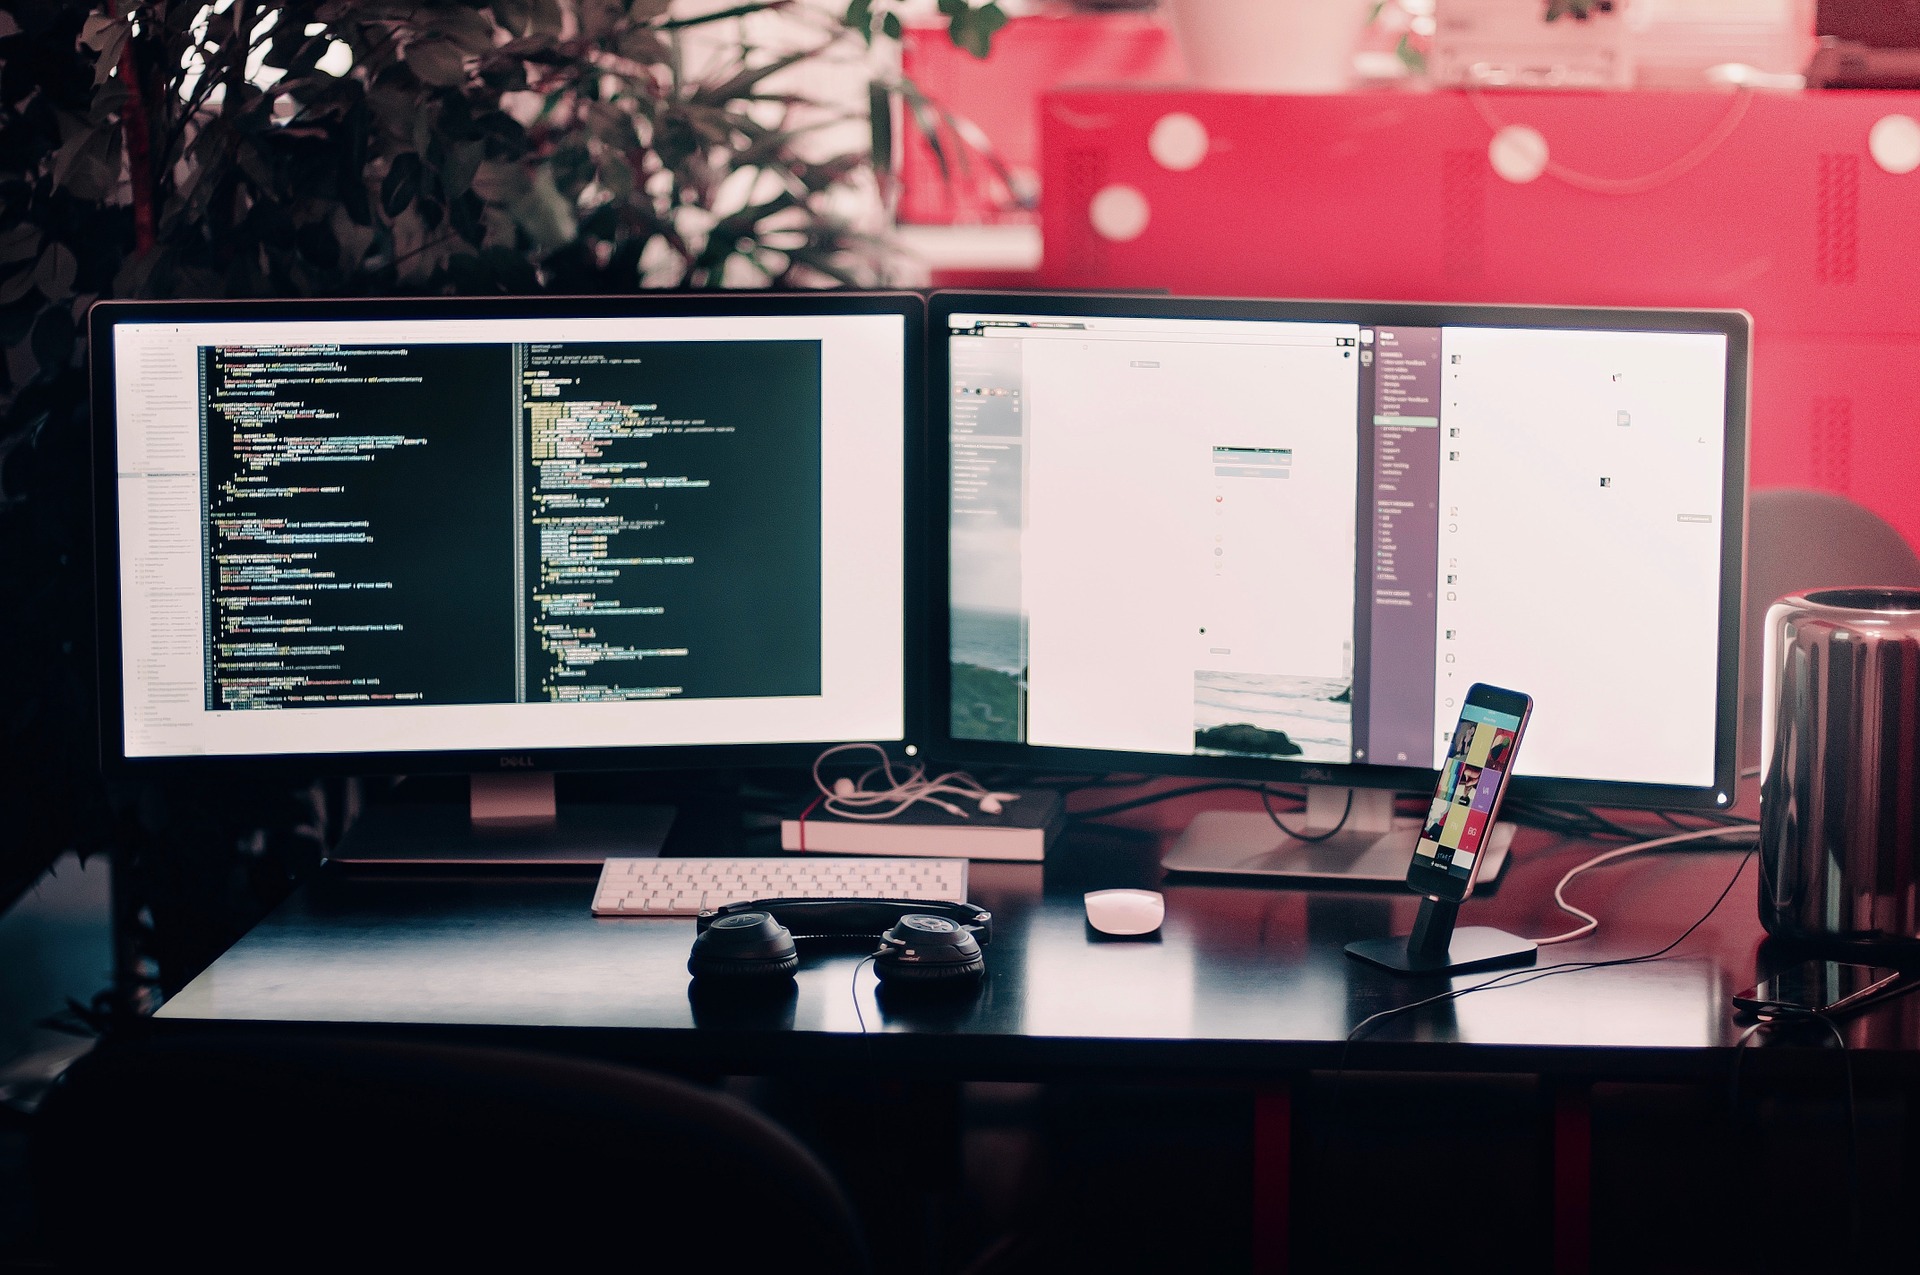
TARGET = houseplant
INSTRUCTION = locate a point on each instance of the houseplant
(234, 148)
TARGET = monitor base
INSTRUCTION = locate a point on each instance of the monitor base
(1248, 844)
(509, 820)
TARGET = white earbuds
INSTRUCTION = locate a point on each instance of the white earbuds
(849, 798)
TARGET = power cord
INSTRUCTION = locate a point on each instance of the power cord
(1266, 801)
(1590, 922)
(1568, 821)
(1517, 978)
(1314, 838)
(1119, 807)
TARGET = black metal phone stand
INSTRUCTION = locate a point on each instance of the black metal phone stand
(1435, 947)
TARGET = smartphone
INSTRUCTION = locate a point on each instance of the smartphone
(1473, 779)
(1816, 987)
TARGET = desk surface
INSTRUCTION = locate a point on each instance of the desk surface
(1244, 980)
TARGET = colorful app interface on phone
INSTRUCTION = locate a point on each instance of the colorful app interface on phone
(1478, 756)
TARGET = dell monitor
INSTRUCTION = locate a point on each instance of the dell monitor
(1278, 541)
(503, 537)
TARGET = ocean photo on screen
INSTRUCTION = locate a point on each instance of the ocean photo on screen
(1273, 715)
(989, 674)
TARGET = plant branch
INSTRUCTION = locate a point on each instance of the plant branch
(139, 151)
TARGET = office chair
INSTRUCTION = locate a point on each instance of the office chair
(276, 1151)
(1799, 540)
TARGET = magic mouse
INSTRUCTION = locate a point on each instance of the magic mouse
(1125, 912)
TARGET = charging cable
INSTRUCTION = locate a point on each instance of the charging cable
(1588, 921)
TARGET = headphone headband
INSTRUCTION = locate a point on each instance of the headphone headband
(852, 918)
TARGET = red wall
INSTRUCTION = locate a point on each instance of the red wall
(1392, 196)
(1000, 96)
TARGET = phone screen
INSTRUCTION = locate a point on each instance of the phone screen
(1475, 769)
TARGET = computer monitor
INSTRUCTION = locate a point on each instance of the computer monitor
(1278, 541)
(505, 537)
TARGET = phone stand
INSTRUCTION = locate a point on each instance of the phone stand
(1435, 947)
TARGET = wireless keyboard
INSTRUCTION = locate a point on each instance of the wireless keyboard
(684, 887)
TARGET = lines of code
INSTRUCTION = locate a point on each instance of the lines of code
(555, 522)
(673, 495)
(348, 559)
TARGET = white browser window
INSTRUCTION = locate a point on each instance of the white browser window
(1152, 565)
(1304, 540)
(1580, 523)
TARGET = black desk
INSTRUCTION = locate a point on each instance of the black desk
(1246, 984)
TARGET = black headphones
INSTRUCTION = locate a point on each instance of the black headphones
(921, 941)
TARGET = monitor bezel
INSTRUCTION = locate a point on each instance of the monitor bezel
(1735, 325)
(106, 315)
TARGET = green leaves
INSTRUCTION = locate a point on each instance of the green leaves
(402, 184)
(437, 62)
(460, 145)
(859, 19)
(880, 115)
(107, 37)
(971, 27)
(89, 163)
(54, 272)
(22, 243)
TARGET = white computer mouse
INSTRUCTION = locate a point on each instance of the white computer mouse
(1125, 912)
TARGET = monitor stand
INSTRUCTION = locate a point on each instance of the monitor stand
(508, 819)
(1436, 947)
(1372, 847)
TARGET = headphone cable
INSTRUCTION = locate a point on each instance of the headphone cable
(860, 1017)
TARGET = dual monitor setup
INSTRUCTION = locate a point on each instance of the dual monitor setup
(1230, 538)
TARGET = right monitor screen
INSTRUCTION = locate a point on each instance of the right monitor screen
(1304, 540)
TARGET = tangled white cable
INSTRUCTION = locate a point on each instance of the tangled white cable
(849, 798)
(1592, 922)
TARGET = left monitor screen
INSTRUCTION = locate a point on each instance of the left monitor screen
(363, 535)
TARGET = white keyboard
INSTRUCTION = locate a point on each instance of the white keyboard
(683, 887)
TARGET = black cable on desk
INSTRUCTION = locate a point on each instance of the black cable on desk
(1338, 1106)
(1225, 785)
(1520, 977)
(1309, 838)
(1587, 823)
(1070, 783)
(1568, 821)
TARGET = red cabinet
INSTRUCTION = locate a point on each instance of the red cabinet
(1769, 203)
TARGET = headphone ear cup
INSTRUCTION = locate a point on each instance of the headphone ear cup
(928, 949)
(897, 972)
(740, 973)
(746, 947)
(734, 970)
